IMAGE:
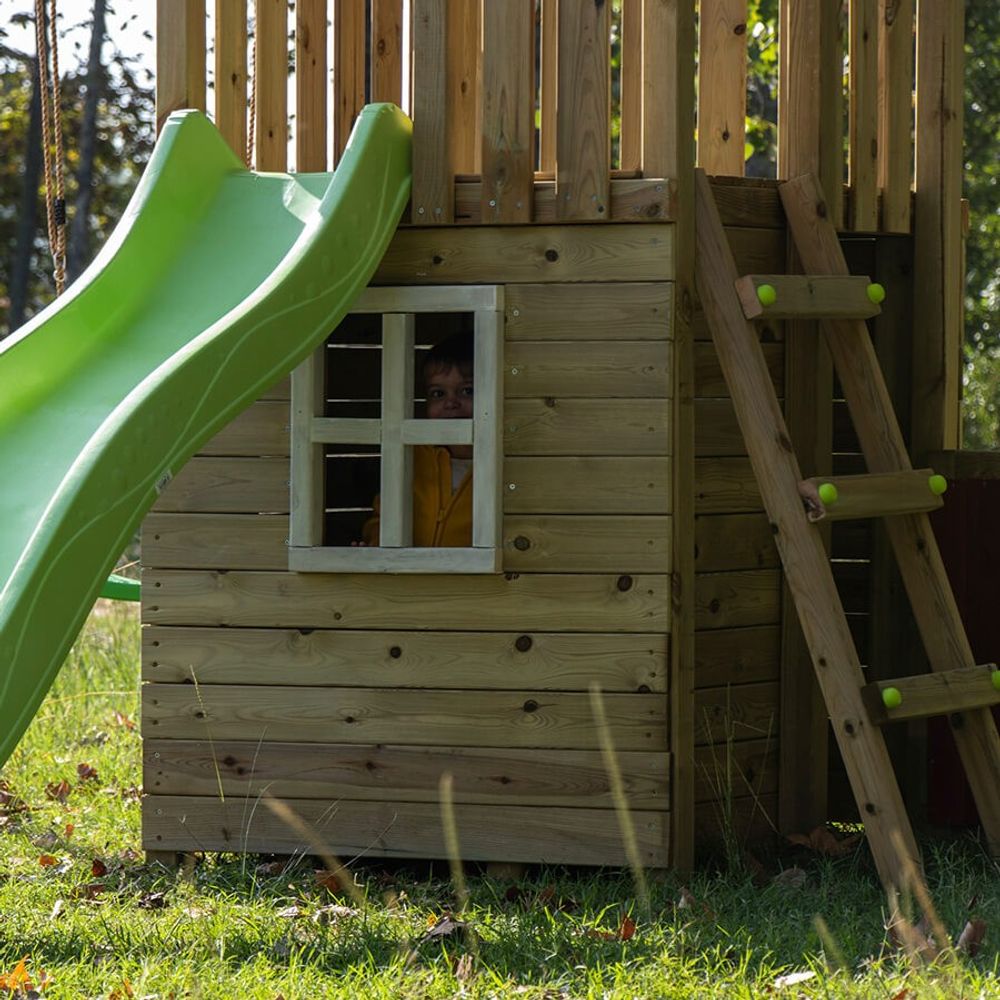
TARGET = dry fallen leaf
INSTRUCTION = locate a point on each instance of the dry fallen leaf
(823, 841)
(124, 721)
(443, 926)
(86, 773)
(47, 860)
(791, 878)
(58, 790)
(98, 868)
(153, 901)
(57, 909)
(332, 913)
(971, 938)
(464, 968)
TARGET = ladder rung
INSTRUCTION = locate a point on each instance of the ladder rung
(926, 695)
(881, 494)
(808, 296)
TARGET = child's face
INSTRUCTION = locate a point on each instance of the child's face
(449, 394)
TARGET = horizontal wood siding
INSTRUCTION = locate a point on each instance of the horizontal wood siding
(365, 689)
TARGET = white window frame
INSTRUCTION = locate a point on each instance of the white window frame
(396, 431)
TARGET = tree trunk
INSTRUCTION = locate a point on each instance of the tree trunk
(78, 245)
(27, 219)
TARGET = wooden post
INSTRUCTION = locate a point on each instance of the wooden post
(722, 86)
(549, 82)
(310, 85)
(630, 142)
(863, 147)
(433, 199)
(463, 73)
(271, 86)
(348, 69)
(938, 276)
(583, 139)
(180, 57)
(895, 113)
(809, 141)
(387, 51)
(508, 98)
(668, 46)
(231, 73)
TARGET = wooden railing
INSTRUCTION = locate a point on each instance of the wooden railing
(495, 142)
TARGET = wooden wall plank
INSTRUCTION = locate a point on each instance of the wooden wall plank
(725, 486)
(349, 74)
(310, 85)
(733, 541)
(404, 774)
(864, 102)
(508, 116)
(400, 829)
(937, 256)
(537, 661)
(215, 541)
(717, 431)
(895, 113)
(583, 137)
(735, 599)
(271, 86)
(709, 381)
(462, 79)
(738, 769)
(737, 655)
(180, 57)
(505, 254)
(586, 485)
(237, 485)
(580, 544)
(596, 603)
(433, 197)
(387, 51)
(586, 427)
(525, 719)
(736, 712)
(261, 429)
(231, 73)
(588, 368)
(588, 311)
(722, 86)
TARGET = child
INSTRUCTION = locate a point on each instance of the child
(442, 474)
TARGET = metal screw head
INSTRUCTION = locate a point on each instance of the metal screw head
(493, 203)
(515, 371)
(515, 312)
(420, 210)
(512, 486)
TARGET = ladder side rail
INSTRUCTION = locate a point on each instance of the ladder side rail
(806, 564)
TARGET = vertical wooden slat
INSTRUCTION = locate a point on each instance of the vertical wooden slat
(660, 105)
(549, 58)
(231, 73)
(180, 57)
(433, 198)
(508, 97)
(863, 159)
(348, 69)
(630, 148)
(583, 141)
(722, 86)
(809, 141)
(310, 85)
(307, 492)
(396, 513)
(464, 44)
(271, 86)
(387, 51)
(938, 272)
(895, 111)
(487, 455)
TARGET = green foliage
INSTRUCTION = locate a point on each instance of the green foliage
(762, 88)
(124, 140)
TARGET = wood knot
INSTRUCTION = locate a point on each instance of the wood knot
(740, 29)
(523, 643)
(551, 255)
(522, 544)
(395, 652)
(531, 706)
(624, 583)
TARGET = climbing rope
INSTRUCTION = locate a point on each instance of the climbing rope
(46, 40)
(252, 123)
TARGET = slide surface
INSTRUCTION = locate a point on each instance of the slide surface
(216, 283)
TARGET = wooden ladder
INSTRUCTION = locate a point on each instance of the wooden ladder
(956, 686)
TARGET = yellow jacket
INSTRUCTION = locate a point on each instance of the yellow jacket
(441, 518)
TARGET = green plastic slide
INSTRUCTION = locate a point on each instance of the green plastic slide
(216, 283)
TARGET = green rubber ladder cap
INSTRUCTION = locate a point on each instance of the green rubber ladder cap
(121, 588)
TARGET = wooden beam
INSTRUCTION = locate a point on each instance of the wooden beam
(864, 102)
(885, 494)
(807, 297)
(926, 695)
(895, 113)
(180, 57)
(583, 138)
(722, 86)
(231, 73)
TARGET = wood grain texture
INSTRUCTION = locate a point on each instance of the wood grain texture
(738, 598)
(231, 73)
(271, 86)
(387, 50)
(737, 655)
(433, 197)
(310, 85)
(541, 661)
(462, 80)
(180, 57)
(500, 255)
(380, 772)
(736, 712)
(583, 138)
(733, 541)
(525, 719)
(863, 115)
(508, 112)
(598, 603)
(895, 113)
(722, 79)
(349, 76)
(586, 485)
(399, 829)
(237, 485)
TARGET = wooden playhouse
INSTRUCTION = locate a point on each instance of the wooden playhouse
(620, 545)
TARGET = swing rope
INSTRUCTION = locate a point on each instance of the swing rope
(252, 123)
(46, 40)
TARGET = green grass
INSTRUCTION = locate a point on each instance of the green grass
(103, 923)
